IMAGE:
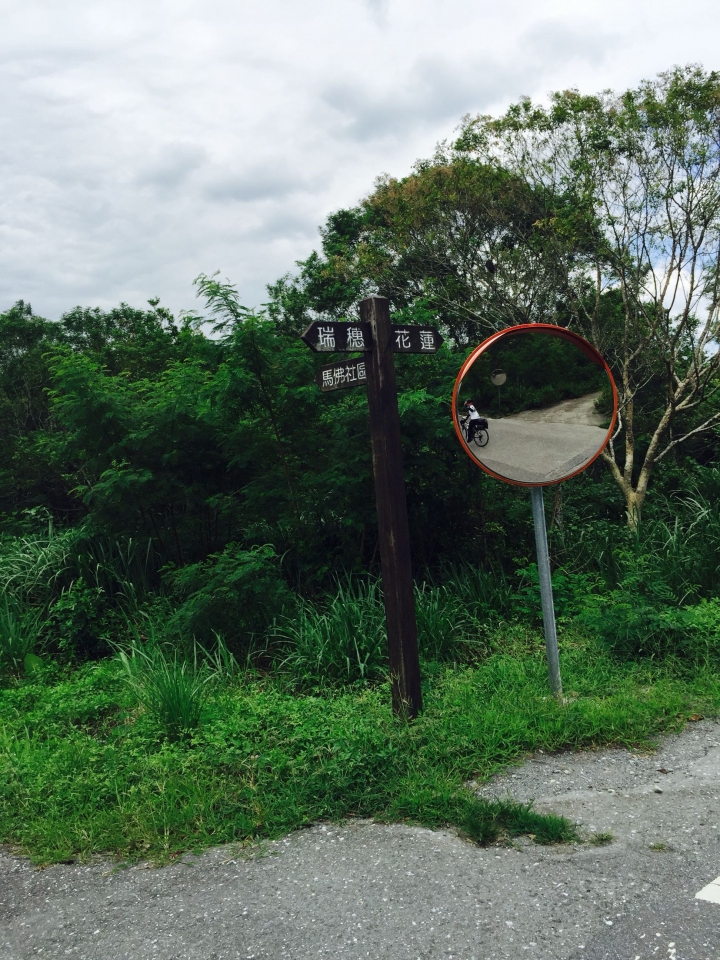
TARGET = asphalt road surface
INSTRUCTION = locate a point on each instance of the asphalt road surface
(364, 890)
(538, 446)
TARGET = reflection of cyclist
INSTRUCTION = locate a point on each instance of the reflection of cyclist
(474, 424)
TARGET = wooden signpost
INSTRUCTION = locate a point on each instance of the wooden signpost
(393, 529)
(380, 339)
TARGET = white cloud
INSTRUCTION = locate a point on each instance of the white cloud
(141, 144)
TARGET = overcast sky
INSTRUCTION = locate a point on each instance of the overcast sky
(142, 143)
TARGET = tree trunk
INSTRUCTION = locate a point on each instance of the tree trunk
(634, 496)
(634, 500)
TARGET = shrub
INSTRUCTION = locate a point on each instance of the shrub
(570, 593)
(77, 624)
(633, 627)
(236, 593)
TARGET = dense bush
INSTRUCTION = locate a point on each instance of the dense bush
(236, 593)
(208, 486)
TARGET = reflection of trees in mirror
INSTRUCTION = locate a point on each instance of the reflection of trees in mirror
(542, 370)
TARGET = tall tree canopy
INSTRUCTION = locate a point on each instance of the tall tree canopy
(637, 177)
(600, 212)
(457, 240)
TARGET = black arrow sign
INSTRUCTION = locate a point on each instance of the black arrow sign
(346, 373)
(341, 337)
(412, 339)
(338, 337)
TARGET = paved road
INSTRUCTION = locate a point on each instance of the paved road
(578, 410)
(538, 446)
(400, 893)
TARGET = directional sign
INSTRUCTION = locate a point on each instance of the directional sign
(338, 337)
(378, 340)
(342, 337)
(346, 373)
(412, 339)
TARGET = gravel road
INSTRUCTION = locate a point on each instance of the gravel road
(364, 890)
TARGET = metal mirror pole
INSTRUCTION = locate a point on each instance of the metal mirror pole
(546, 595)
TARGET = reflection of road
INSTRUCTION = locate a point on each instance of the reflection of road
(579, 410)
(539, 446)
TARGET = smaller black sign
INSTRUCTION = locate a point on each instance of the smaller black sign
(346, 373)
(338, 337)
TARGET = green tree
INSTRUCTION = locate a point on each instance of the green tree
(457, 240)
(636, 177)
(27, 476)
(599, 212)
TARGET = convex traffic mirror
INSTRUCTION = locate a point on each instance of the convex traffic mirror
(534, 404)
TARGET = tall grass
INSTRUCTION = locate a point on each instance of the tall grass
(342, 638)
(674, 552)
(486, 593)
(38, 566)
(125, 569)
(69, 590)
(19, 630)
(35, 566)
(173, 688)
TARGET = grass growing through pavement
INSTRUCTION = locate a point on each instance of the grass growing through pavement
(84, 768)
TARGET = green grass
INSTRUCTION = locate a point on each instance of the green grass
(171, 688)
(19, 630)
(85, 769)
(343, 638)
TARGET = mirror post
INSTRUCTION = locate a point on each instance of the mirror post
(546, 595)
(393, 529)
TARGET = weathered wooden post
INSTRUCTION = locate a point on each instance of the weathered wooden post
(379, 340)
(393, 529)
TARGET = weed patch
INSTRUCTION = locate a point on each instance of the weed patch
(85, 769)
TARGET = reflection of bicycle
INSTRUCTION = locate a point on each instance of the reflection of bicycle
(475, 431)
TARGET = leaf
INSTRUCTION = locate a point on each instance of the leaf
(32, 663)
